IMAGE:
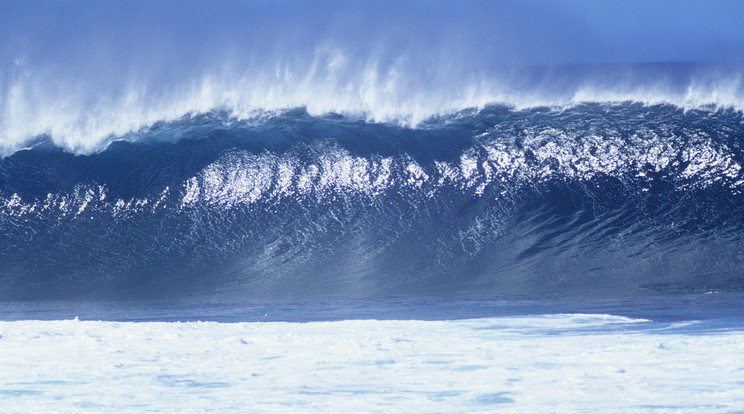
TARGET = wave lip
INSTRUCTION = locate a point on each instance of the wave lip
(85, 116)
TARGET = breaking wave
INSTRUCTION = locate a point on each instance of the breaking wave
(605, 199)
(334, 149)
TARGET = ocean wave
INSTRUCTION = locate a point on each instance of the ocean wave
(334, 149)
(607, 199)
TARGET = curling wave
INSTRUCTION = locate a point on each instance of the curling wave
(603, 199)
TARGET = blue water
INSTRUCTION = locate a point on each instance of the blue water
(710, 312)
(595, 200)
(448, 161)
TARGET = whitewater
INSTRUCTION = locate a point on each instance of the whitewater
(550, 363)
(394, 206)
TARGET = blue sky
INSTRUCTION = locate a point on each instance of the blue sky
(491, 32)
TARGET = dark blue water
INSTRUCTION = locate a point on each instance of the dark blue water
(708, 313)
(596, 201)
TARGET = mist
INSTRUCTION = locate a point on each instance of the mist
(86, 72)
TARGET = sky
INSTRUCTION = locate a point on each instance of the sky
(492, 32)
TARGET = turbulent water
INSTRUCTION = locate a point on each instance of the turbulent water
(590, 199)
(398, 205)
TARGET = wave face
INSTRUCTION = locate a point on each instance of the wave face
(594, 199)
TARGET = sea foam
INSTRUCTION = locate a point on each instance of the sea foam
(571, 363)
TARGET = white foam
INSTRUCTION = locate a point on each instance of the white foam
(552, 363)
(242, 178)
(101, 72)
(83, 117)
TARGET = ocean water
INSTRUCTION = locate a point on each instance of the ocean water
(392, 207)
(593, 199)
